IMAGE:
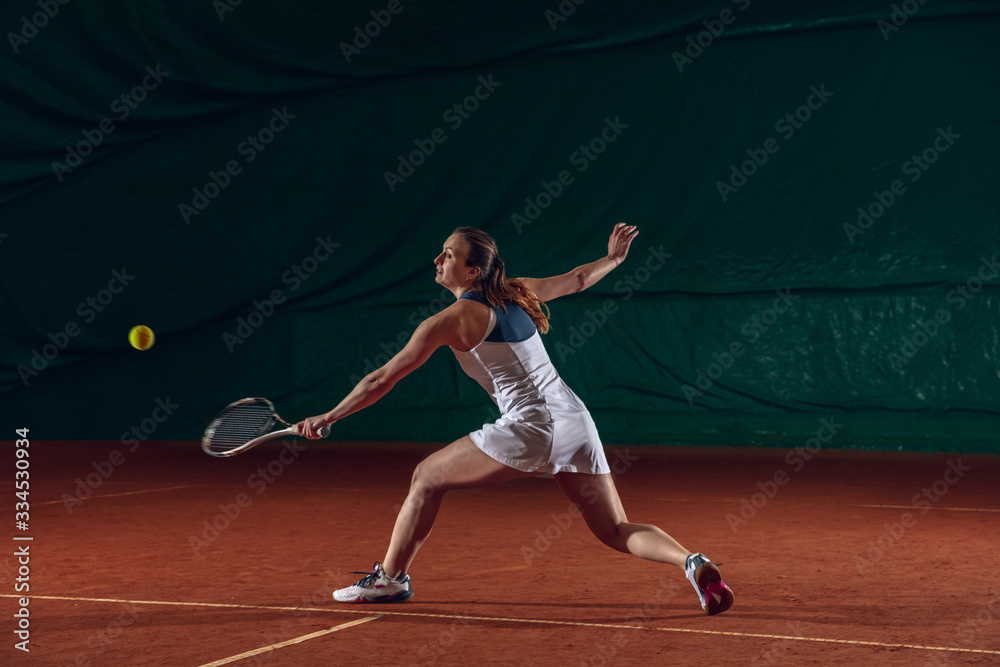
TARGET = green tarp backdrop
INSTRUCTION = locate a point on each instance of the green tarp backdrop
(266, 184)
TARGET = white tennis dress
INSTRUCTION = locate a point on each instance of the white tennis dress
(544, 427)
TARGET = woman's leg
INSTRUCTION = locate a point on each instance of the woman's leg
(602, 509)
(598, 500)
(460, 465)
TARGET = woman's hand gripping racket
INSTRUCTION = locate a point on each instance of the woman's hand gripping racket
(245, 424)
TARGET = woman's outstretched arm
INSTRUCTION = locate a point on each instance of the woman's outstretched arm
(585, 275)
(434, 332)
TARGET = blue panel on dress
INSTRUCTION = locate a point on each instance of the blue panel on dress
(513, 325)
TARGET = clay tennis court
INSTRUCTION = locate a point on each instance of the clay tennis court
(856, 558)
(265, 188)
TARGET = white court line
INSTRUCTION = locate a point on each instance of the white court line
(111, 495)
(297, 640)
(536, 621)
(923, 507)
(901, 507)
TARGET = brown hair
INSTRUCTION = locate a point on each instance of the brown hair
(497, 288)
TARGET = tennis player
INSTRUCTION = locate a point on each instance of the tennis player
(493, 329)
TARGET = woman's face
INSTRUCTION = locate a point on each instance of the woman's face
(452, 270)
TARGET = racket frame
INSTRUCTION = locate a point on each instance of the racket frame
(273, 435)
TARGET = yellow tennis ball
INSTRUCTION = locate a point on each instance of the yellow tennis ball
(141, 337)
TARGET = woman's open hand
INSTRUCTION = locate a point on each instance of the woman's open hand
(621, 239)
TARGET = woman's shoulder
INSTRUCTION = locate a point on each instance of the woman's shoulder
(478, 296)
(473, 295)
(467, 304)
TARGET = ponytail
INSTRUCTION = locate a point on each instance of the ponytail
(497, 288)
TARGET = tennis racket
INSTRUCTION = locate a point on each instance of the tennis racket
(245, 424)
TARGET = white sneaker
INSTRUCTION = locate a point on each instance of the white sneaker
(716, 597)
(376, 587)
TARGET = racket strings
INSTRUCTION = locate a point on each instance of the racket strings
(239, 425)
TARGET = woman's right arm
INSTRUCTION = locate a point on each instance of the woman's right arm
(434, 332)
(585, 275)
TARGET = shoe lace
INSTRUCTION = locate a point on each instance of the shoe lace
(701, 560)
(367, 581)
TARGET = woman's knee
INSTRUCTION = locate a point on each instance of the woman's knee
(611, 536)
(427, 480)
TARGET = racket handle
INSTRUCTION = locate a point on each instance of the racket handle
(325, 431)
